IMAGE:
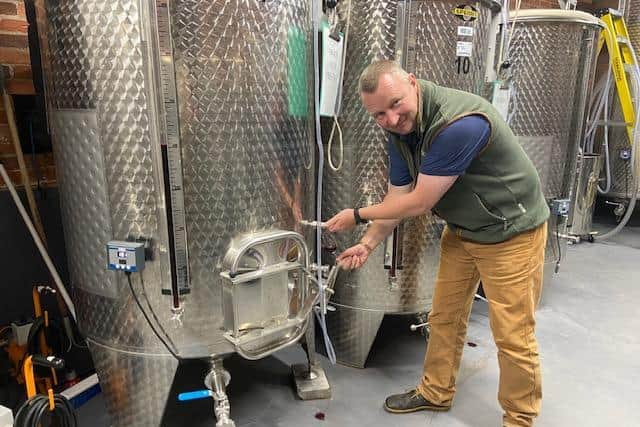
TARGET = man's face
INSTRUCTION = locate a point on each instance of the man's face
(394, 104)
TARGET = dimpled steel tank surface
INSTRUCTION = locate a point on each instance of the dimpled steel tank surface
(187, 125)
(442, 41)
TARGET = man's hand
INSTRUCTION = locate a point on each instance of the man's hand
(354, 257)
(342, 221)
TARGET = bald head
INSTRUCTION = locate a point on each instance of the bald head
(390, 96)
(370, 77)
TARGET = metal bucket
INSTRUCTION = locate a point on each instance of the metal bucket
(443, 41)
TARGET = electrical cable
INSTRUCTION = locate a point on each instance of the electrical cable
(557, 268)
(36, 327)
(33, 345)
(151, 325)
(66, 321)
(153, 314)
(35, 412)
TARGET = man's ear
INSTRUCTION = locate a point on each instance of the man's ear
(412, 79)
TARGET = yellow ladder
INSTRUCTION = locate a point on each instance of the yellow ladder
(619, 45)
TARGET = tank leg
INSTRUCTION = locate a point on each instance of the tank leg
(353, 332)
(311, 381)
(217, 380)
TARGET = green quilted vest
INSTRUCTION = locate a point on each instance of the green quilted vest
(499, 195)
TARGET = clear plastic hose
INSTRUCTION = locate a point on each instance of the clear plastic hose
(322, 311)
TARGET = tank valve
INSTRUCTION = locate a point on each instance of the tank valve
(618, 210)
(216, 382)
(418, 326)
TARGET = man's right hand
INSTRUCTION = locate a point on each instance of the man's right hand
(354, 257)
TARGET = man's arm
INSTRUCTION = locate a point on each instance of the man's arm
(357, 255)
(422, 199)
(449, 156)
(428, 191)
(380, 229)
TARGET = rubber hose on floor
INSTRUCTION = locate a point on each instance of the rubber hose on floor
(35, 411)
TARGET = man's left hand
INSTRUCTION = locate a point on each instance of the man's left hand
(342, 221)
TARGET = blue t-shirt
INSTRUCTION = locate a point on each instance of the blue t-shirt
(451, 152)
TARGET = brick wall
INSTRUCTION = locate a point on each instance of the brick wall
(14, 51)
(14, 46)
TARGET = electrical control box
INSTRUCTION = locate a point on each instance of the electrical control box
(560, 207)
(125, 256)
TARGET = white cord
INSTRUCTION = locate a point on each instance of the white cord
(336, 125)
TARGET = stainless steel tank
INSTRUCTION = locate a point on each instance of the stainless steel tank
(443, 41)
(186, 125)
(552, 55)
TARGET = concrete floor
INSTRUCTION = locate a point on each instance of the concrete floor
(589, 345)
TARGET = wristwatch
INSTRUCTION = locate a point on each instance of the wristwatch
(356, 215)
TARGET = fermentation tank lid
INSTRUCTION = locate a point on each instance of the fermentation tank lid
(555, 15)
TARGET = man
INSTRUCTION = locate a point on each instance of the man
(451, 153)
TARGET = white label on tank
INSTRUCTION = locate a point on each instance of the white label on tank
(500, 100)
(464, 48)
(465, 31)
(331, 67)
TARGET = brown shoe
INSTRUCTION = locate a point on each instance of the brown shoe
(411, 401)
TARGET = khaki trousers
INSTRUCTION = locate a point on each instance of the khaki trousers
(511, 274)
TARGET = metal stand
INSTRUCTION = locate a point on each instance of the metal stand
(217, 380)
(311, 381)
